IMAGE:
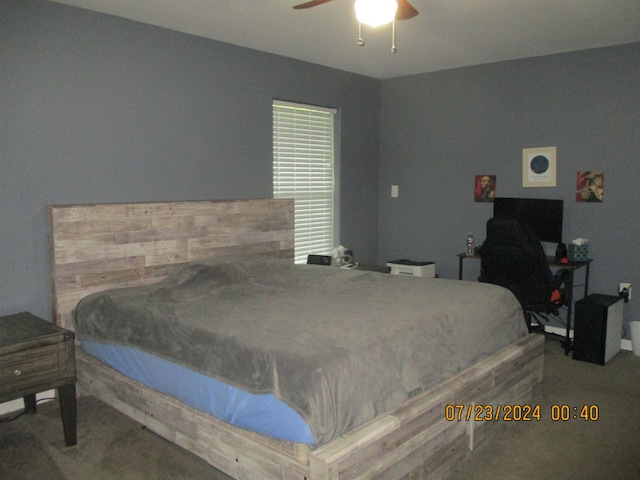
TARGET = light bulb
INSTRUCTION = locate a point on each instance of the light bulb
(376, 12)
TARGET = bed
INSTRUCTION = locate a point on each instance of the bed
(152, 250)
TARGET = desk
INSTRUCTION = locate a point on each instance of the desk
(35, 356)
(553, 263)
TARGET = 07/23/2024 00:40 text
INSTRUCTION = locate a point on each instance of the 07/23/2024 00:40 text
(519, 413)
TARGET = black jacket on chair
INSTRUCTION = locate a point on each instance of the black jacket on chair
(512, 256)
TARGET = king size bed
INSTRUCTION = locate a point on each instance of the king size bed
(192, 319)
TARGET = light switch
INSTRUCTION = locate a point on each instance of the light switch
(394, 191)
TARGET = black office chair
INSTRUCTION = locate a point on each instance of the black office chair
(511, 256)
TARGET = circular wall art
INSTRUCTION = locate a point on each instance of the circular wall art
(539, 164)
(539, 167)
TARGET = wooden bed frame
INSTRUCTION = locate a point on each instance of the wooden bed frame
(97, 247)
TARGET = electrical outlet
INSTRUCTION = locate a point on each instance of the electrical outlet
(624, 290)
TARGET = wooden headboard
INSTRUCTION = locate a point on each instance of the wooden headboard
(102, 246)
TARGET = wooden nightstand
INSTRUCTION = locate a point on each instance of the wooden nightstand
(35, 356)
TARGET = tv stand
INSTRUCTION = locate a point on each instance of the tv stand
(572, 266)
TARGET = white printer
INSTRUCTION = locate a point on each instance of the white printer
(412, 268)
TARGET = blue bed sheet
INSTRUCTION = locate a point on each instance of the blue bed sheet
(261, 413)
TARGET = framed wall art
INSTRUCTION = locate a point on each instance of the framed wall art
(539, 167)
(590, 186)
(484, 188)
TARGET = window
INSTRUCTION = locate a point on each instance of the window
(304, 169)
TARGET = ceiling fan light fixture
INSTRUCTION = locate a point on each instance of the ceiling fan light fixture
(376, 12)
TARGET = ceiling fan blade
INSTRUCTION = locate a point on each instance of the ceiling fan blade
(312, 3)
(405, 10)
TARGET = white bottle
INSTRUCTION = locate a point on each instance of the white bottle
(470, 241)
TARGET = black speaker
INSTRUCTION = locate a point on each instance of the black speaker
(597, 329)
(319, 259)
(561, 251)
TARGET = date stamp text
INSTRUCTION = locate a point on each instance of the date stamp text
(519, 413)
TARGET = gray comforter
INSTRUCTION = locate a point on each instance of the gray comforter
(339, 346)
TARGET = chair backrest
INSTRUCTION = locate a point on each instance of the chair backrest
(511, 256)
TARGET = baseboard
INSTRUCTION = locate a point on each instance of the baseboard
(18, 404)
(625, 344)
(558, 331)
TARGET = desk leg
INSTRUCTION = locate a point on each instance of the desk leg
(460, 268)
(586, 280)
(30, 404)
(569, 293)
(567, 338)
(67, 395)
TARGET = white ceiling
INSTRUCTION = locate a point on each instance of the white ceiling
(446, 34)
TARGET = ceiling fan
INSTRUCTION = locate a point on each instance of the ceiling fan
(405, 9)
(364, 10)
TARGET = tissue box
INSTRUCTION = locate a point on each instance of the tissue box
(411, 268)
(578, 253)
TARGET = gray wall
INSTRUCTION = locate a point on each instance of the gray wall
(441, 129)
(99, 109)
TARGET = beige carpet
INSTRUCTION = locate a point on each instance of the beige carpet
(608, 448)
(111, 447)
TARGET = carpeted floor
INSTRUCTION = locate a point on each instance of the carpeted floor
(111, 447)
(608, 448)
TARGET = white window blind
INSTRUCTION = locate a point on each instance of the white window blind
(303, 169)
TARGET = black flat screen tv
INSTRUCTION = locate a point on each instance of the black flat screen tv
(542, 216)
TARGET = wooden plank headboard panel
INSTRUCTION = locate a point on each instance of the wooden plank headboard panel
(102, 246)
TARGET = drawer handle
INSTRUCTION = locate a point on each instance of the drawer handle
(17, 372)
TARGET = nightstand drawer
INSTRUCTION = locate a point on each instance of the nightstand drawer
(35, 356)
(21, 370)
